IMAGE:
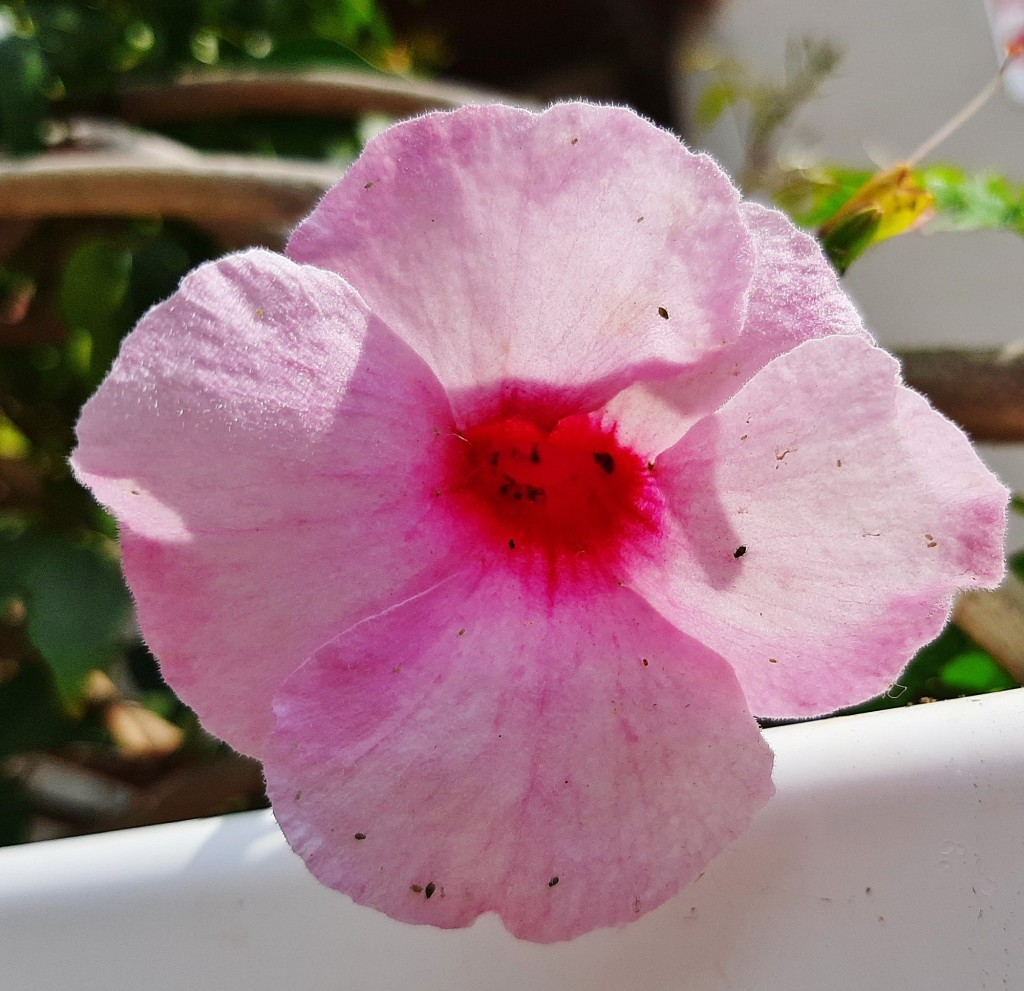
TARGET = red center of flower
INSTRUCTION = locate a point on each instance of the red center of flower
(572, 493)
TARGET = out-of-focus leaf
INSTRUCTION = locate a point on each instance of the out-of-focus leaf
(31, 714)
(961, 201)
(94, 284)
(891, 202)
(811, 196)
(772, 105)
(966, 201)
(13, 443)
(15, 809)
(1015, 563)
(91, 48)
(76, 604)
(1017, 503)
(93, 288)
(846, 240)
(713, 101)
(305, 53)
(157, 266)
(974, 672)
(352, 21)
(23, 102)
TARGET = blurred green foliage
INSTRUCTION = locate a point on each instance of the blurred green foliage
(765, 106)
(70, 289)
(957, 200)
(75, 607)
(71, 54)
(963, 201)
(64, 609)
(873, 205)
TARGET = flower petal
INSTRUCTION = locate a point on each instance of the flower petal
(270, 449)
(572, 246)
(815, 538)
(568, 765)
(795, 296)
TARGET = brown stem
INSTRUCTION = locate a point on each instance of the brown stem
(322, 94)
(982, 389)
(215, 188)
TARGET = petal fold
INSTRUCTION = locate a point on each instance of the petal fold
(794, 297)
(479, 750)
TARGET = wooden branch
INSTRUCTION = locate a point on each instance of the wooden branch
(215, 190)
(333, 93)
(159, 178)
(982, 389)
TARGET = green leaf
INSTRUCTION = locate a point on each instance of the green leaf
(157, 266)
(23, 81)
(306, 53)
(962, 201)
(15, 809)
(714, 101)
(1015, 563)
(31, 714)
(76, 605)
(849, 239)
(974, 672)
(94, 283)
(968, 202)
(13, 443)
(93, 288)
(812, 196)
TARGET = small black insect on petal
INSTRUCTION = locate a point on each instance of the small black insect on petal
(605, 461)
(553, 881)
(662, 312)
(360, 836)
(429, 889)
(740, 551)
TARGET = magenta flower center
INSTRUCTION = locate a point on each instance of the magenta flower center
(571, 494)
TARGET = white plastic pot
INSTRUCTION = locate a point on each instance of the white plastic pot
(892, 857)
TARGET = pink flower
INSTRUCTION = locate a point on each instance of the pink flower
(488, 515)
